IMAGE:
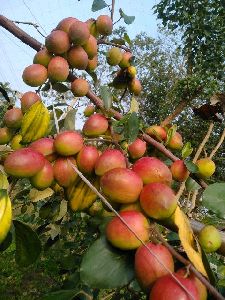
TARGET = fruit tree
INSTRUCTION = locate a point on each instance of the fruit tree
(140, 188)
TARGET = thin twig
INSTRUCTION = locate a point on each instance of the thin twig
(103, 199)
(193, 201)
(218, 145)
(204, 141)
(112, 9)
(36, 26)
(103, 42)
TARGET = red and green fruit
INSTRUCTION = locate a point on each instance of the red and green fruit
(149, 264)
(46, 147)
(27, 100)
(64, 173)
(121, 237)
(89, 110)
(157, 132)
(108, 160)
(79, 33)
(58, 69)
(5, 135)
(135, 86)
(95, 125)
(65, 24)
(86, 159)
(158, 200)
(42, 57)
(121, 185)
(176, 142)
(57, 42)
(80, 87)
(114, 56)
(137, 149)
(35, 75)
(13, 118)
(77, 58)
(151, 169)
(68, 143)
(44, 178)
(104, 25)
(91, 47)
(179, 170)
(24, 162)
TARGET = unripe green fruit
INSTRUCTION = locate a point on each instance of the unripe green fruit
(206, 167)
(5, 135)
(35, 75)
(24, 162)
(15, 142)
(80, 87)
(91, 23)
(65, 24)
(114, 56)
(44, 178)
(68, 142)
(89, 110)
(28, 99)
(13, 118)
(79, 33)
(77, 58)
(121, 237)
(57, 42)
(58, 69)
(210, 239)
(42, 57)
(91, 47)
(104, 25)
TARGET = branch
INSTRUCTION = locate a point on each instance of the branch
(187, 263)
(36, 26)
(218, 145)
(24, 37)
(181, 106)
(103, 42)
(112, 9)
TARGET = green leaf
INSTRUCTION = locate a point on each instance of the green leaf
(46, 87)
(60, 87)
(191, 185)
(106, 96)
(28, 245)
(105, 267)
(69, 122)
(127, 19)
(118, 41)
(213, 198)
(191, 166)
(6, 242)
(170, 133)
(61, 295)
(187, 150)
(127, 38)
(4, 184)
(98, 5)
(132, 127)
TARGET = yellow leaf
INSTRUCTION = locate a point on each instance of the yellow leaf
(36, 195)
(187, 240)
(134, 105)
(4, 184)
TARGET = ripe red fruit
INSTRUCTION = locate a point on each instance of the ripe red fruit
(147, 268)
(167, 288)
(63, 171)
(46, 147)
(121, 237)
(135, 86)
(137, 149)
(35, 75)
(121, 185)
(95, 125)
(87, 158)
(28, 99)
(58, 69)
(57, 42)
(24, 162)
(179, 170)
(65, 24)
(80, 87)
(108, 160)
(202, 291)
(158, 200)
(157, 132)
(77, 58)
(13, 118)
(151, 169)
(68, 143)
(44, 177)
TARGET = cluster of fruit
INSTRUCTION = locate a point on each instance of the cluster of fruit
(73, 45)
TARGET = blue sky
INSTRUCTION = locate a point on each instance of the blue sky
(15, 56)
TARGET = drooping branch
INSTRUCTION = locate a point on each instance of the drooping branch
(103, 42)
(218, 145)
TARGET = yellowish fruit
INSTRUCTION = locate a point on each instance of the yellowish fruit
(206, 167)
(210, 239)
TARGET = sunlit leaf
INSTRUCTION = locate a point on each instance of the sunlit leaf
(213, 198)
(187, 150)
(69, 121)
(98, 5)
(36, 195)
